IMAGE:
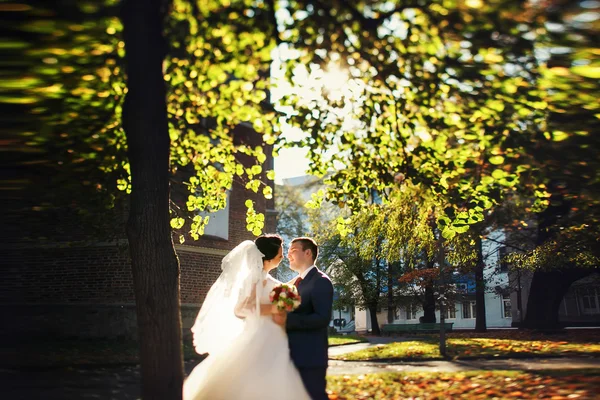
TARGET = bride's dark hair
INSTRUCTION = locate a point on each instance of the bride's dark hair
(269, 244)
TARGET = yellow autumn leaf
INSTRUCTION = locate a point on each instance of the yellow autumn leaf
(587, 71)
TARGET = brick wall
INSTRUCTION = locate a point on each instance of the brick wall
(92, 274)
(87, 290)
(198, 272)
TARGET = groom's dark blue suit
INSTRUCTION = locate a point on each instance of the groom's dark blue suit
(307, 331)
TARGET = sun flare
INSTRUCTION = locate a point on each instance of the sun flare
(315, 83)
(334, 78)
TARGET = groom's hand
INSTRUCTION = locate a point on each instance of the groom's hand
(280, 318)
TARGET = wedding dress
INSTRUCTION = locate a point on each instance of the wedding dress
(249, 357)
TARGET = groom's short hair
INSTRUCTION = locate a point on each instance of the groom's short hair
(308, 244)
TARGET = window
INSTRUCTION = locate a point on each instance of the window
(218, 223)
(468, 310)
(502, 264)
(411, 312)
(589, 300)
(461, 287)
(506, 309)
(451, 311)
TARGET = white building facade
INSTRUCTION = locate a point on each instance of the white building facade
(498, 306)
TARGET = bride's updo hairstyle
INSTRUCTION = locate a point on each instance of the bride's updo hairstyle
(269, 244)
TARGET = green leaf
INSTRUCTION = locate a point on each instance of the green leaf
(177, 223)
(256, 169)
(239, 170)
(268, 192)
(461, 229)
(448, 232)
(559, 136)
(487, 180)
(444, 221)
(498, 174)
(496, 160)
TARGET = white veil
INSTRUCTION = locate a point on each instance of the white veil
(231, 299)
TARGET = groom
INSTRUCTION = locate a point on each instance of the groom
(307, 325)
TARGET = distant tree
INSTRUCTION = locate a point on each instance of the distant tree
(359, 280)
(292, 221)
(292, 215)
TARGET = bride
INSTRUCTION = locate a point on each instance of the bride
(249, 356)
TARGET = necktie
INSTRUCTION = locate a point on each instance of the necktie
(297, 282)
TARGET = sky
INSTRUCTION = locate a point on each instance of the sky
(290, 163)
(308, 84)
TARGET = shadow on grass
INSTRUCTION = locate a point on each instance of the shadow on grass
(560, 373)
(78, 352)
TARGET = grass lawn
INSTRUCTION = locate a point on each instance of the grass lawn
(336, 340)
(574, 384)
(472, 347)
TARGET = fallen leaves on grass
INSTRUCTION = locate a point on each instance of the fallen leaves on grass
(400, 350)
(472, 347)
(335, 340)
(570, 336)
(469, 385)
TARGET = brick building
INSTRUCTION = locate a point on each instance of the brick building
(64, 289)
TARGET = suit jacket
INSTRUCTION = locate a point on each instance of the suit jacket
(307, 325)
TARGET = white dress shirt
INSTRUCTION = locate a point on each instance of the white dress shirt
(306, 271)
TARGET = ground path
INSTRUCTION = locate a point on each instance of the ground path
(121, 382)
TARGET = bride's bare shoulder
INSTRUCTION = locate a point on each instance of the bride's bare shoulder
(273, 280)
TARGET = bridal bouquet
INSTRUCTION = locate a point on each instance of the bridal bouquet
(285, 297)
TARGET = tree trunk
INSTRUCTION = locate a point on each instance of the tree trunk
(480, 320)
(519, 300)
(441, 254)
(374, 323)
(390, 294)
(545, 295)
(154, 263)
(429, 305)
(373, 309)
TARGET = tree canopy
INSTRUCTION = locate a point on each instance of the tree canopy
(73, 80)
(470, 98)
(444, 93)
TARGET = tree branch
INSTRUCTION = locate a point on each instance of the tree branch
(506, 244)
(273, 19)
(371, 24)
